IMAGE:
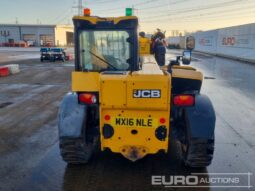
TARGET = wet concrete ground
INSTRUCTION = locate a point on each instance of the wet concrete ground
(29, 154)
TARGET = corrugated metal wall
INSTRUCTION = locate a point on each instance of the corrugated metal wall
(39, 31)
(17, 33)
(14, 33)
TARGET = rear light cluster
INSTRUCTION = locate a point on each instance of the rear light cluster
(87, 98)
(184, 100)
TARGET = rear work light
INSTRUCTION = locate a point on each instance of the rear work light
(184, 100)
(87, 98)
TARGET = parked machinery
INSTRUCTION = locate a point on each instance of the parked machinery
(53, 54)
(58, 54)
(125, 102)
(45, 54)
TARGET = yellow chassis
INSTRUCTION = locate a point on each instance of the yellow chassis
(134, 120)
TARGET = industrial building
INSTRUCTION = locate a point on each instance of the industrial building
(36, 35)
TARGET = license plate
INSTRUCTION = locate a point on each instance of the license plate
(134, 122)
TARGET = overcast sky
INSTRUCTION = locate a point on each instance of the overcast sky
(169, 15)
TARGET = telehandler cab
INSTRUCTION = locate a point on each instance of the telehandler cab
(123, 101)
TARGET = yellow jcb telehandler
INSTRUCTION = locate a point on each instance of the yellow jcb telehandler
(123, 101)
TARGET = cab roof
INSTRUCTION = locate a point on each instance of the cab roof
(93, 22)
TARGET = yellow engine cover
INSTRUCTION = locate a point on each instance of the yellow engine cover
(135, 106)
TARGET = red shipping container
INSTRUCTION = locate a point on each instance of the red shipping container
(4, 71)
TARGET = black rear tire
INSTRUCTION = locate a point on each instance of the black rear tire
(78, 150)
(75, 150)
(195, 152)
(198, 153)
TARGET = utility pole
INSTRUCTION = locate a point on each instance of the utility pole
(79, 7)
(134, 10)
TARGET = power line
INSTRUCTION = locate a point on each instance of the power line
(122, 7)
(163, 5)
(217, 19)
(52, 20)
(148, 2)
(65, 16)
(212, 18)
(79, 8)
(222, 17)
(239, 9)
(201, 8)
(204, 15)
(102, 1)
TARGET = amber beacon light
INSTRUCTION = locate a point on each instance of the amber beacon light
(86, 12)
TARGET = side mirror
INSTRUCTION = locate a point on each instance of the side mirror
(186, 57)
(190, 43)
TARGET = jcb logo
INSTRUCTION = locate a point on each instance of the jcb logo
(147, 94)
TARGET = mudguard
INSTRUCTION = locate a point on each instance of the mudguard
(71, 117)
(201, 119)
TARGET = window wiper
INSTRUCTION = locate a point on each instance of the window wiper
(101, 59)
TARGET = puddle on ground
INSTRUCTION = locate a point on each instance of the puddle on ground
(5, 104)
(209, 78)
(105, 171)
